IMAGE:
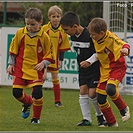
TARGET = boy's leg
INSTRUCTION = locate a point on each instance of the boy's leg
(106, 110)
(112, 91)
(99, 114)
(22, 96)
(25, 99)
(37, 104)
(57, 90)
(104, 104)
(85, 109)
(92, 84)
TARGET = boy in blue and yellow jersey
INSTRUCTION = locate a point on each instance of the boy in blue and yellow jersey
(60, 43)
(30, 53)
(109, 51)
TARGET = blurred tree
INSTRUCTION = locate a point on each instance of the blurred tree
(85, 10)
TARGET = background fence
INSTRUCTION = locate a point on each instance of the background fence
(119, 17)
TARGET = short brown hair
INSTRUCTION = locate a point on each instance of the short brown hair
(69, 19)
(97, 25)
(34, 13)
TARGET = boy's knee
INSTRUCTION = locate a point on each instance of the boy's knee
(37, 92)
(17, 92)
(111, 89)
(101, 98)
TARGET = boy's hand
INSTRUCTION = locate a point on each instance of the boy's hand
(125, 51)
(10, 69)
(85, 64)
(39, 66)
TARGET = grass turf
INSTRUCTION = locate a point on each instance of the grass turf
(54, 118)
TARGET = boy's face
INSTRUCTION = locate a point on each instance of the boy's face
(32, 25)
(55, 19)
(69, 30)
(96, 36)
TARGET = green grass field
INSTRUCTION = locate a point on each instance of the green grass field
(53, 118)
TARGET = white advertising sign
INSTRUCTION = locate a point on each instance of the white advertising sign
(68, 73)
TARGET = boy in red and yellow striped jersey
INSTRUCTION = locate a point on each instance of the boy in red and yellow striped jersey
(30, 53)
(110, 51)
(60, 43)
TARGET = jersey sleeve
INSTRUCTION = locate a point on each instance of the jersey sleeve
(14, 46)
(116, 44)
(92, 59)
(65, 45)
(48, 54)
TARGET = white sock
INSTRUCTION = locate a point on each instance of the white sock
(96, 107)
(85, 107)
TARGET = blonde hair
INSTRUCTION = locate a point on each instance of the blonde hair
(53, 9)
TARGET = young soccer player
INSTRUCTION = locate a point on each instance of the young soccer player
(30, 54)
(110, 51)
(88, 77)
(61, 44)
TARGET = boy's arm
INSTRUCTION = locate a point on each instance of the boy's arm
(42, 65)
(11, 60)
(92, 59)
(89, 61)
(125, 50)
(46, 63)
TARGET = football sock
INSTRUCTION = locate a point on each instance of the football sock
(85, 107)
(37, 107)
(25, 99)
(119, 103)
(96, 106)
(107, 112)
(56, 90)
